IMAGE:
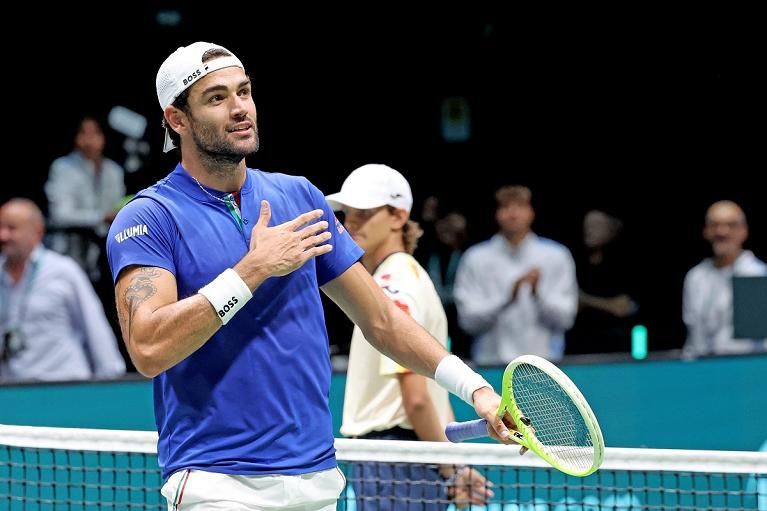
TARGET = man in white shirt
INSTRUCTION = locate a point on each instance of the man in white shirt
(707, 298)
(84, 189)
(516, 292)
(383, 399)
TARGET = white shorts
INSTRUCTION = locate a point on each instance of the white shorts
(195, 490)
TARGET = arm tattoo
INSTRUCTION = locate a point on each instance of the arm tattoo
(141, 289)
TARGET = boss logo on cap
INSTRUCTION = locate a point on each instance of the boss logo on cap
(192, 76)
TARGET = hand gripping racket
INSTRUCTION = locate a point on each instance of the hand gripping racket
(552, 417)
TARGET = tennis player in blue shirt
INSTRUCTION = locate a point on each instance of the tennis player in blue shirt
(217, 271)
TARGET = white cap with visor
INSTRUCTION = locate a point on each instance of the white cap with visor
(182, 69)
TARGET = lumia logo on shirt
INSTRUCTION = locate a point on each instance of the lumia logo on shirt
(130, 232)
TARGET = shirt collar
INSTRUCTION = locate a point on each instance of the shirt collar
(181, 178)
(742, 263)
(34, 258)
(502, 242)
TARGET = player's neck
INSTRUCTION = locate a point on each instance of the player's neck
(217, 175)
(372, 259)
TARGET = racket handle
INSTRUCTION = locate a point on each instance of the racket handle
(460, 431)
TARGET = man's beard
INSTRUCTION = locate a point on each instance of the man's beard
(216, 148)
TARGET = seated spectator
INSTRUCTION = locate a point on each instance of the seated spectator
(606, 302)
(52, 325)
(516, 293)
(707, 297)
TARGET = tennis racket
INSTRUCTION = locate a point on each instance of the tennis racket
(552, 417)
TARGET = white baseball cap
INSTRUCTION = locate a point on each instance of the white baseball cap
(182, 69)
(371, 186)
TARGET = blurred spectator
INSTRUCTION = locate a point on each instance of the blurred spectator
(606, 303)
(84, 191)
(440, 259)
(707, 297)
(51, 321)
(516, 292)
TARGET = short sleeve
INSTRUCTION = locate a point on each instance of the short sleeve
(399, 279)
(142, 234)
(345, 251)
(389, 367)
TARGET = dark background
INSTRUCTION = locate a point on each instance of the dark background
(649, 120)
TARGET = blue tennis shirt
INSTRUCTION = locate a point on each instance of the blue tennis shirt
(254, 398)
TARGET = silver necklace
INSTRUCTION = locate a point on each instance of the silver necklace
(231, 204)
(210, 194)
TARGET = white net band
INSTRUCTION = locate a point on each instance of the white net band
(661, 460)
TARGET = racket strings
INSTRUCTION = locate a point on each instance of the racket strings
(557, 422)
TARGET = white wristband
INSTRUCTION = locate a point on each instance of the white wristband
(227, 293)
(455, 376)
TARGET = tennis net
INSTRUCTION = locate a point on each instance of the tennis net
(82, 470)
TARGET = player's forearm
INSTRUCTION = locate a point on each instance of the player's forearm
(395, 334)
(420, 409)
(164, 337)
(385, 326)
(161, 339)
(423, 418)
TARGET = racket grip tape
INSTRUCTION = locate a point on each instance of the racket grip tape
(460, 431)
